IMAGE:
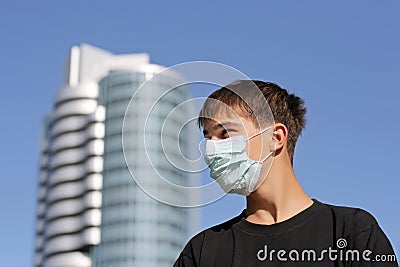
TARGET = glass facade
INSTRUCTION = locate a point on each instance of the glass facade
(136, 229)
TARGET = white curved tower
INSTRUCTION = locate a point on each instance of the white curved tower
(89, 211)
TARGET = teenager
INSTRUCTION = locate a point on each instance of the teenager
(281, 225)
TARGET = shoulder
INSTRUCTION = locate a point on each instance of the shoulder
(354, 220)
(225, 226)
(205, 241)
(212, 233)
(217, 230)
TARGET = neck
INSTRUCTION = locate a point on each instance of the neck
(279, 197)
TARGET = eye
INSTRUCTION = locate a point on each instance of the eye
(225, 133)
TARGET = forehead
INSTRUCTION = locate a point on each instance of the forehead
(218, 122)
(217, 113)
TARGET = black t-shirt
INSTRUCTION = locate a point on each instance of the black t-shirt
(321, 235)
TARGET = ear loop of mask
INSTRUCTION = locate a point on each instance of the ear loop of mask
(266, 129)
(272, 152)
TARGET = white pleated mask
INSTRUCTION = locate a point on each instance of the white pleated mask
(230, 165)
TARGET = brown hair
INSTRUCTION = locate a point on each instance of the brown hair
(286, 108)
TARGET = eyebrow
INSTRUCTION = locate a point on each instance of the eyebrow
(222, 125)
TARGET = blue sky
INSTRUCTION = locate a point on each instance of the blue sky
(342, 57)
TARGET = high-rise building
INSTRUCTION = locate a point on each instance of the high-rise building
(90, 210)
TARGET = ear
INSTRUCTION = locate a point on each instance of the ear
(279, 137)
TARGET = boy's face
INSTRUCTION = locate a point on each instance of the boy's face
(221, 127)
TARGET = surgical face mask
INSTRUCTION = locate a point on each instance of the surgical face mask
(230, 165)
